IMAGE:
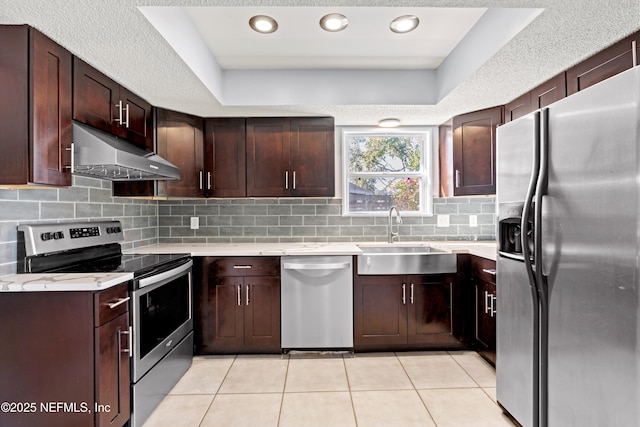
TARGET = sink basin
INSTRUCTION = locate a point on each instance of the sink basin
(386, 260)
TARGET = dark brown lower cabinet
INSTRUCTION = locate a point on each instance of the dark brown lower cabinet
(406, 312)
(238, 305)
(65, 358)
(483, 280)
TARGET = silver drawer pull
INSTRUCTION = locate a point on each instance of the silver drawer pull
(119, 302)
(240, 267)
(120, 333)
(491, 271)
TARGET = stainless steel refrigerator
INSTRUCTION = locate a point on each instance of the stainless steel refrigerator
(568, 187)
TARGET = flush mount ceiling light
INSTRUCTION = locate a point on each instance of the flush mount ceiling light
(389, 123)
(404, 24)
(334, 22)
(263, 24)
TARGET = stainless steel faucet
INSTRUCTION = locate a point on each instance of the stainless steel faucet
(393, 234)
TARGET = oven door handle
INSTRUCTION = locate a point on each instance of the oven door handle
(157, 278)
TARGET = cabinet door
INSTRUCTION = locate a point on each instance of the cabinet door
(607, 63)
(380, 311)
(549, 92)
(95, 97)
(50, 111)
(225, 154)
(180, 141)
(112, 372)
(268, 157)
(430, 319)
(226, 311)
(138, 119)
(486, 319)
(521, 106)
(312, 157)
(262, 313)
(474, 152)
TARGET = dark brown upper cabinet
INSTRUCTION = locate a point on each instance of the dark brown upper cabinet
(290, 157)
(225, 157)
(606, 63)
(100, 102)
(180, 141)
(35, 108)
(474, 151)
(541, 96)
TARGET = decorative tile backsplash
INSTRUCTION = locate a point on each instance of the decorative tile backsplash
(314, 220)
(147, 222)
(88, 199)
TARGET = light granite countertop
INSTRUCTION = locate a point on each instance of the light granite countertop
(483, 249)
(47, 282)
(99, 281)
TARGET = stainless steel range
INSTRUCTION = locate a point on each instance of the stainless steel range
(161, 315)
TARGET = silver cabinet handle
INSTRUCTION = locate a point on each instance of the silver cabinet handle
(124, 350)
(248, 292)
(72, 159)
(486, 302)
(294, 180)
(200, 177)
(493, 305)
(411, 294)
(457, 178)
(286, 180)
(242, 267)
(120, 301)
(404, 294)
(239, 294)
(126, 123)
(208, 180)
(634, 54)
(119, 119)
(131, 347)
(491, 271)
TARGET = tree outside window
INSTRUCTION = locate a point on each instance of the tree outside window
(384, 170)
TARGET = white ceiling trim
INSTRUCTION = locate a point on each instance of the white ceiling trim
(116, 38)
(337, 87)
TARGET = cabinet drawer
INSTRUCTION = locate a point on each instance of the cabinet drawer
(245, 266)
(484, 269)
(111, 303)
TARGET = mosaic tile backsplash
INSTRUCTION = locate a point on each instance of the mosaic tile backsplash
(147, 222)
(314, 220)
(89, 199)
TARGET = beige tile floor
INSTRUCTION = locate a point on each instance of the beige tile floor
(435, 389)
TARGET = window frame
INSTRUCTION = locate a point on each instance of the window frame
(426, 174)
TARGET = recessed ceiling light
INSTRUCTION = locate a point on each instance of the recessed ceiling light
(389, 123)
(334, 22)
(404, 24)
(263, 24)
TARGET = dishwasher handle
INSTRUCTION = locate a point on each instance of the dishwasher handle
(324, 266)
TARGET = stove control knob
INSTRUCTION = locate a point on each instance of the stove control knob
(46, 236)
(58, 235)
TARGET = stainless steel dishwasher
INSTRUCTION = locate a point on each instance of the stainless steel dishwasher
(317, 303)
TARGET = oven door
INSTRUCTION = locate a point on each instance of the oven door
(161, 316)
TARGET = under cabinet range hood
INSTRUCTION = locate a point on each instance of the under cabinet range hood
(100, 155)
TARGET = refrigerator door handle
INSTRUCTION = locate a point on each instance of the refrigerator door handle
(528, 261)
(541, 189)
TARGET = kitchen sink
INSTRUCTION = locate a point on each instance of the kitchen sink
(383, 260)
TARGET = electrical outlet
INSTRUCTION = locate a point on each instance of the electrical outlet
(473, 220)
(195, 222)
(443, 220)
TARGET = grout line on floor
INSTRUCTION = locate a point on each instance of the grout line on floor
(346, 373)
(284, 387)
(416, 390)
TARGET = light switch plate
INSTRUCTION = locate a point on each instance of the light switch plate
(195, 222)
(443, 220)
(473, 220)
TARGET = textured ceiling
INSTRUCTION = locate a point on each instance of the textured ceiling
(116, 38)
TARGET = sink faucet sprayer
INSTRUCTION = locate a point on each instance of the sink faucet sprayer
(393, 234)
